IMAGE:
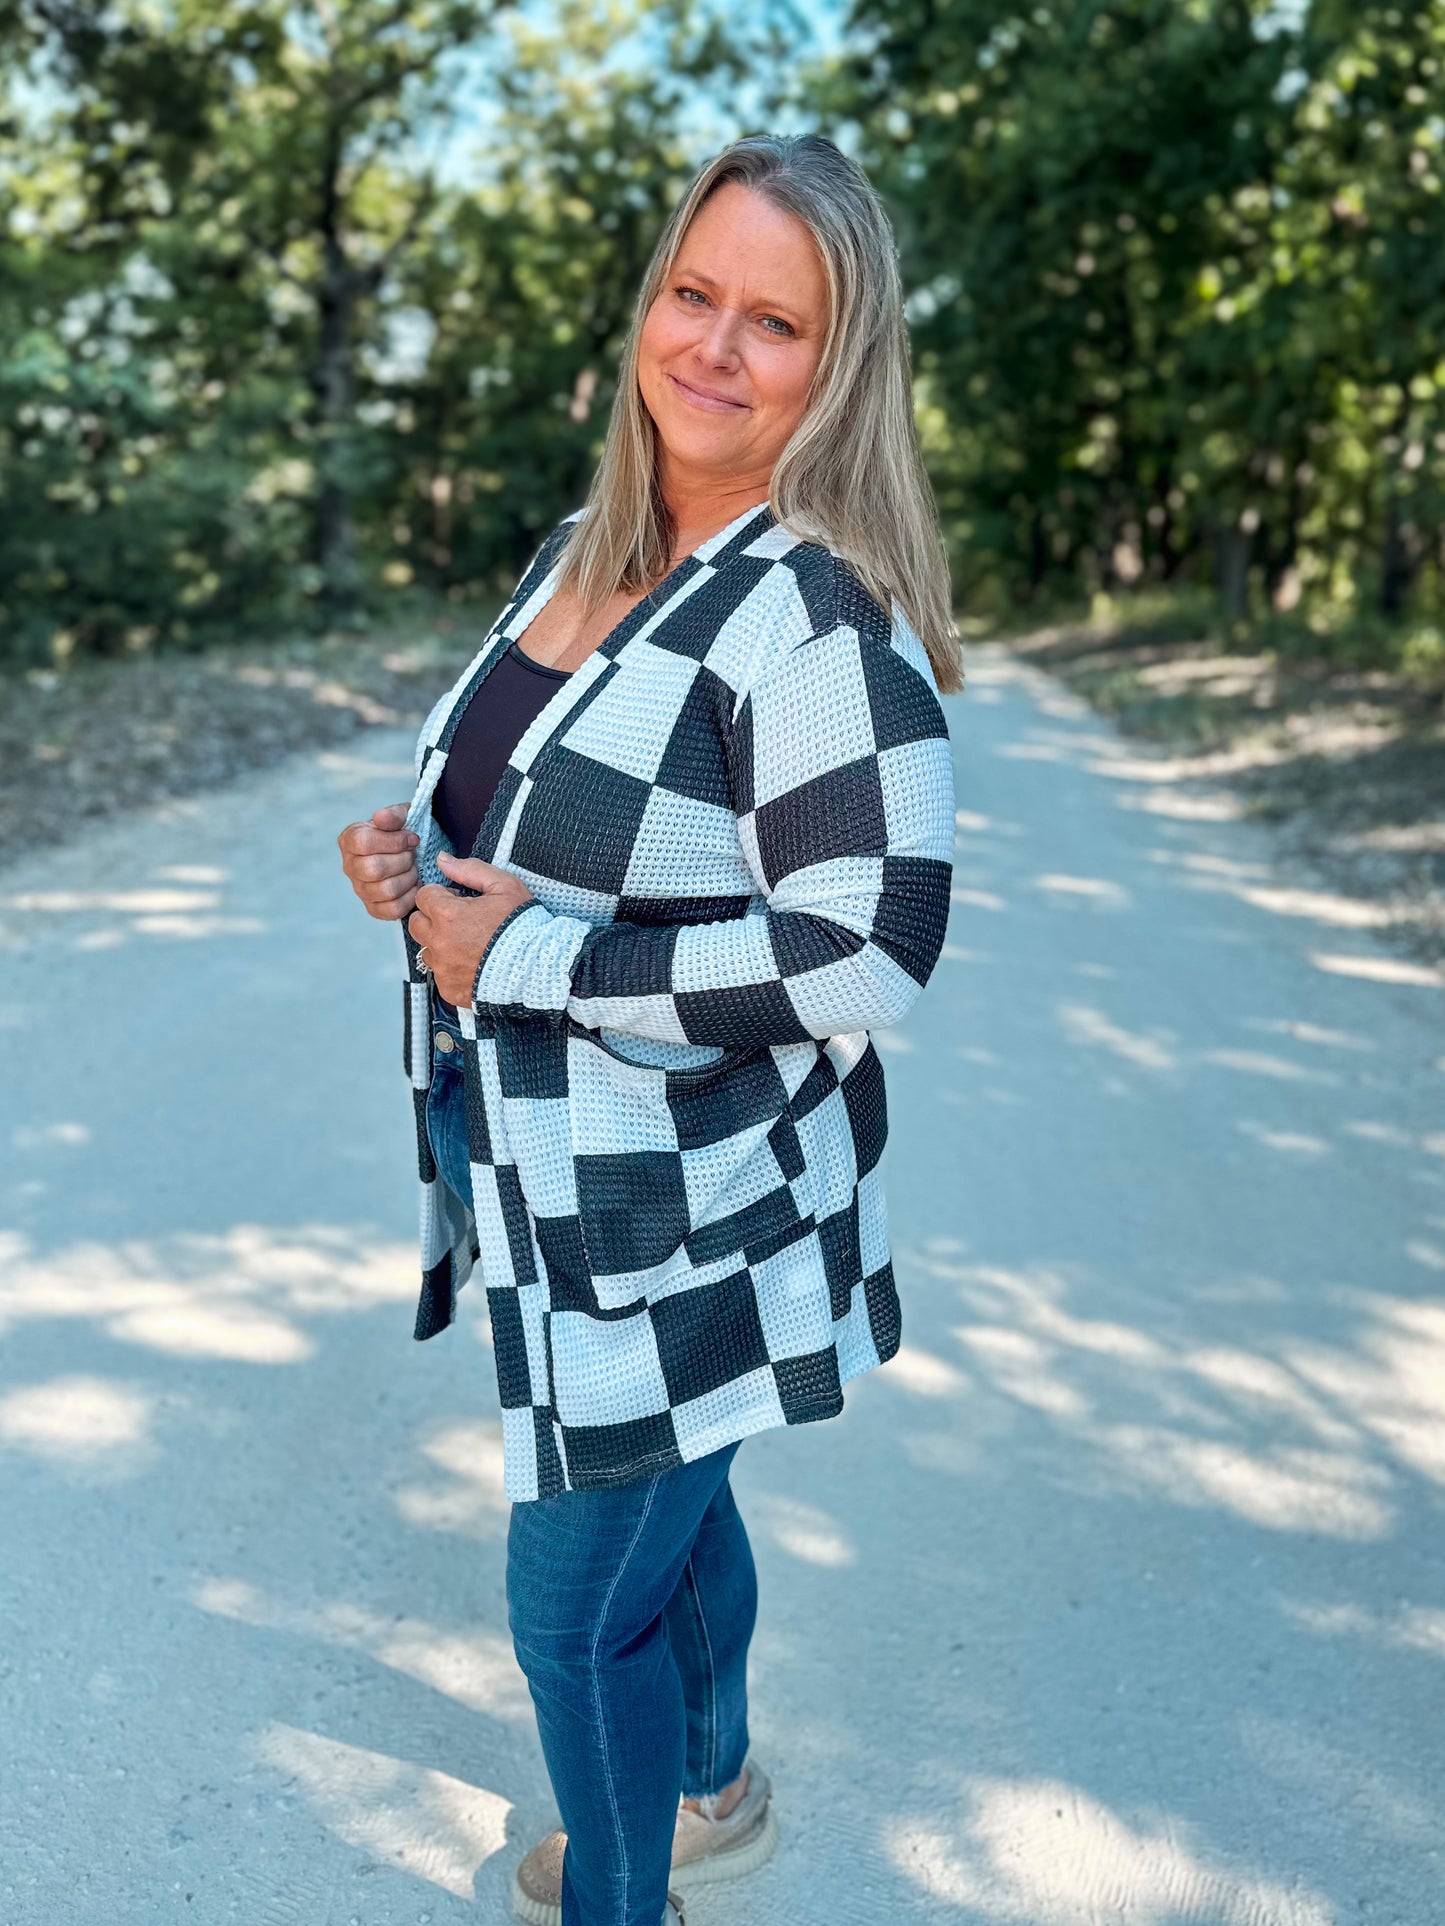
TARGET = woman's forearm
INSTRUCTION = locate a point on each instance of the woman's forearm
(777, 977)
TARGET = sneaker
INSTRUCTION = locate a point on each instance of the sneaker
(704, 1850)
(674, 1916)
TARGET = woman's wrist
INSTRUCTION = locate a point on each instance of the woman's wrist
(528, 962)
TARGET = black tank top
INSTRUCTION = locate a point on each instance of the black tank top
(492, 724)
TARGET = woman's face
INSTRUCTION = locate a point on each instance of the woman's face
(730, 345)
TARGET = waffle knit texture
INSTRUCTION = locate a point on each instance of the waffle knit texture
(736, 818)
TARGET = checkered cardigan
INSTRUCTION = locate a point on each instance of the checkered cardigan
(736, 818)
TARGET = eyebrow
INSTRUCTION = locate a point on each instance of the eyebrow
(781, 308)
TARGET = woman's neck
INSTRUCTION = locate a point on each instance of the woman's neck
(702, 512)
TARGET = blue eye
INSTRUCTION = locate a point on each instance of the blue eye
(684, 290)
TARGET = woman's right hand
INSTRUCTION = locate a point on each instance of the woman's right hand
(380, 858)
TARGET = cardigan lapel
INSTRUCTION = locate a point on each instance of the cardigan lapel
(442, 723)
(690, 575)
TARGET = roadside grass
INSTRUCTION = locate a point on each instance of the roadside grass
(80, 742)
(1339, 740)
(1337, 737)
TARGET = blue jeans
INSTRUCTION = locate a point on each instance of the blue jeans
(631, 1608)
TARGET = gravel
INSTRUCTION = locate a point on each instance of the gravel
(80, 744)
(1348, 764)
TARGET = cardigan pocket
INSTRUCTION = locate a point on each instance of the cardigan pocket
(677, 1168)
(680, 1060)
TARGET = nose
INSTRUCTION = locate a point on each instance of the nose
(718, 343)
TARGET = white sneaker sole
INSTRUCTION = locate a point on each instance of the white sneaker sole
(715, 1867)
(711, 1870)
(535, 1911)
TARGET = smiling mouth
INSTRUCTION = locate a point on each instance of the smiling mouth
(703, 400)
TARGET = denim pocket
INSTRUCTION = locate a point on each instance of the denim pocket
(446, 1123)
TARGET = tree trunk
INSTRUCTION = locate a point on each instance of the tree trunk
(1164, 538)
(1280, 573)
(1038, 551)
(1399, 561)
(1232, 546)
(334, 385)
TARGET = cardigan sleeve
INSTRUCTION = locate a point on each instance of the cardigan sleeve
(842, 782)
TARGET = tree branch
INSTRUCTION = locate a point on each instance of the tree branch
(287, 274)
(373, 276)
(352, 172)
(390, 82)
(327, 21)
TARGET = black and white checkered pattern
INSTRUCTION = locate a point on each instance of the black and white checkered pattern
(736, 819)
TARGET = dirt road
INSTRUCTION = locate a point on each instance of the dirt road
(1119, 1596)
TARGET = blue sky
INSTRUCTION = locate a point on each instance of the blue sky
(461, 150)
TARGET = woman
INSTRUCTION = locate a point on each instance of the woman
(681, 834)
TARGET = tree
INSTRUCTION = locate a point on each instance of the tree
(266, 346)
(1365, 186)
(1061, 175)
(245, 142)
(1177, 284)
(528, 285)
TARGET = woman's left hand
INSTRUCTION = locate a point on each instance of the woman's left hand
(457, 929)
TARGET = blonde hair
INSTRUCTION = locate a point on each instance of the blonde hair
(852, 475)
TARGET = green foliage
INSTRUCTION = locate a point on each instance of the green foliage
(527, 291)
(1179, 296)
(262, 356)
